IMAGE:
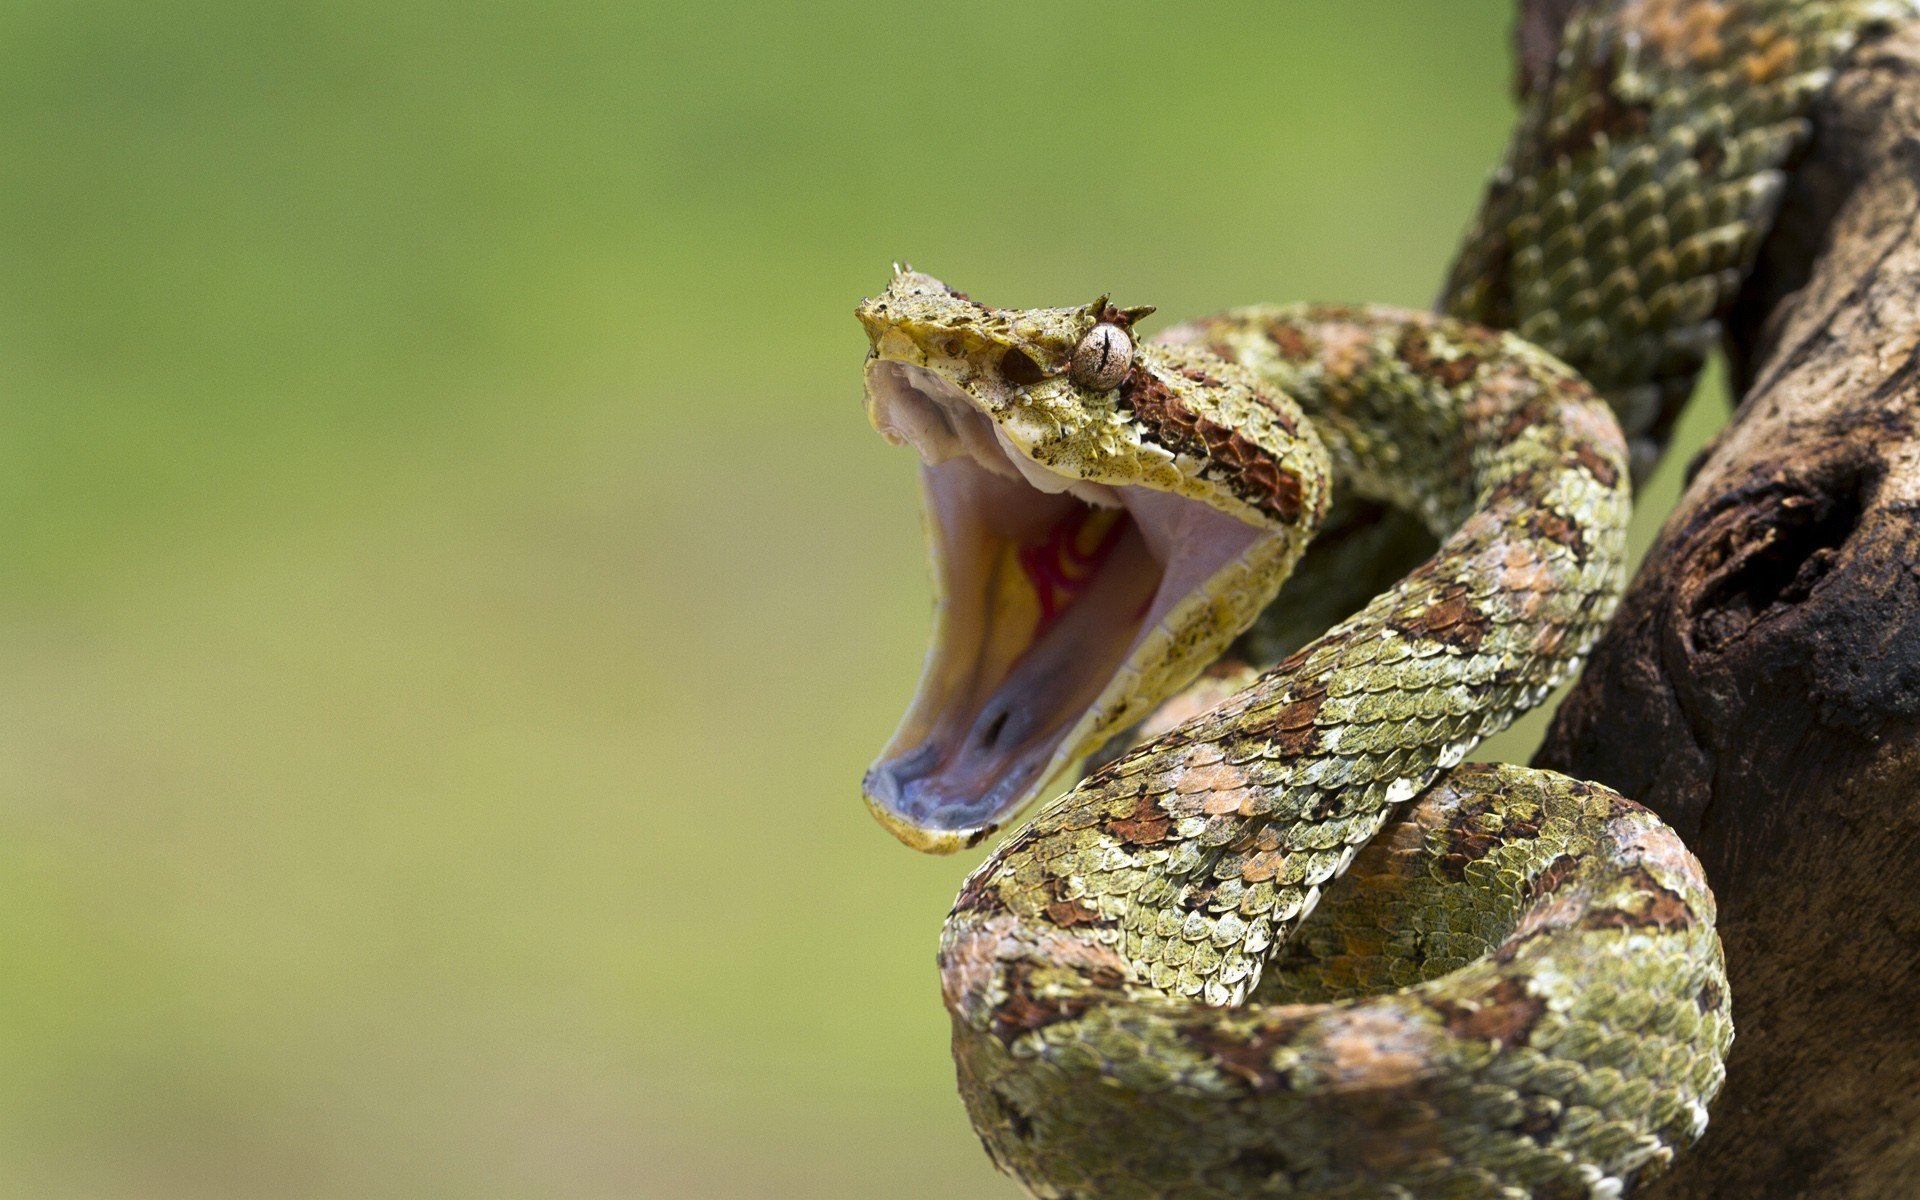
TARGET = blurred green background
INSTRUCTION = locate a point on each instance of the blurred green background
(450, 592)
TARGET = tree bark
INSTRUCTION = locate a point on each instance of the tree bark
(1760, 687)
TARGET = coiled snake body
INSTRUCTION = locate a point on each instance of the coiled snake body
(1287, 946)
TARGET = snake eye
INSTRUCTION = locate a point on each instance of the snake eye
(1103, 358)
(1020, 369)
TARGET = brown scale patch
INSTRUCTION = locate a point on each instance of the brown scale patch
(1517, 490)
(1263, 866)
(1247, 1054)
(1527, 577)
(1642, 838)
(1551, 643)
(1555, 875)
(1532, 414)
(1377, 1047)
(1112, 314)
(1254, 475)
(1275, 489)
(1596, 465)
(1506, 1016)
(1685, 32)
(1772, 57)
(1281, 416)
(1590, 420)
(967, 966)
(1346, 345)
(1069, 911)
(1558, 529)
(991, 965)
(1451, 620)
(1607, 114)
(1291, 726)
(1710, 997)
(981, 897)
(1549, 911)
(1212, 789)
(1262, 859)
(1217, 776)
(1025, 1010)
(1146, 825)
(1293, 342)
(1417, 350)
(1620, 808)
(1659, 907)
(1467, 838)
(1293, 663)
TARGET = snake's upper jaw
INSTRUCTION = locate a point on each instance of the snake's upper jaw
(1065, 610)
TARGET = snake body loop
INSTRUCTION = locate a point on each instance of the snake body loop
(1288, 946)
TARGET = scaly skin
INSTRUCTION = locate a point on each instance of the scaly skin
(1512, 986)
(1120, 933)
(1636, 192)
(1557, 1024)
(1641, 181)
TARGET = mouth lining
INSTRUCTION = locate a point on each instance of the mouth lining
(1055, 594)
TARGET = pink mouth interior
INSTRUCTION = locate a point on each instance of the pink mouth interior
(1003, 689)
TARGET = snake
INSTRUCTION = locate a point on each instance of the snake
(1279, 939)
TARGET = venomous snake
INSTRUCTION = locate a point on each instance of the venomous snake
(1284, 945)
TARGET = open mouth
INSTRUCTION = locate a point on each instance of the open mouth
(1057, 606)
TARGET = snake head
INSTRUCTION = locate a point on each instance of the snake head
(1104, 516)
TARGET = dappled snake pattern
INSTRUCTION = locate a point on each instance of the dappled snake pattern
(1284, 945)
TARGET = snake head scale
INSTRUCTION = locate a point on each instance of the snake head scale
(1104, 515)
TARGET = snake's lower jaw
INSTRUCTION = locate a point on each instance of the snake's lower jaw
(1066, 610)
(876, 788)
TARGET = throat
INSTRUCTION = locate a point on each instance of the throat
(1066, 563)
